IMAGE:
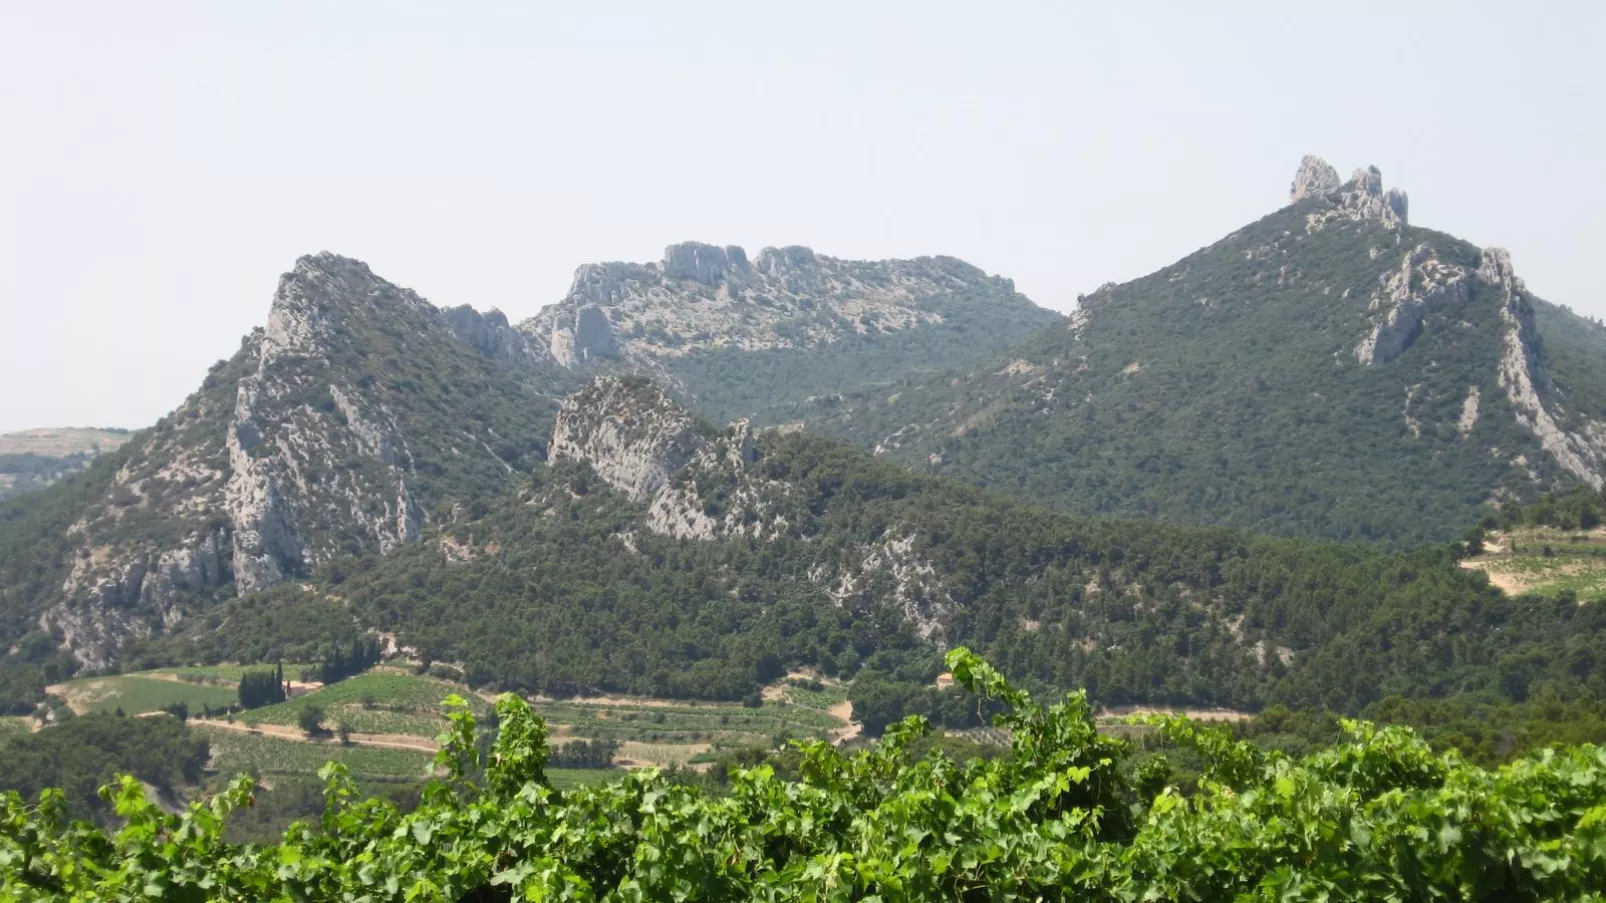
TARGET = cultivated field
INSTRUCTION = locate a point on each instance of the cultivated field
(139, 693)
(1546, 562)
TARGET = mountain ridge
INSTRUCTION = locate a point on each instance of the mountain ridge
(750, 338)
(1250, 384)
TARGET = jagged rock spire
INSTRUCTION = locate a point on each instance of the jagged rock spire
(1361, 198)
(1316, 178)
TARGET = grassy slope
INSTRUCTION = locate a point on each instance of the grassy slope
(136, 694)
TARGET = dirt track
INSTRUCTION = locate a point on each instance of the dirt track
(843, 712)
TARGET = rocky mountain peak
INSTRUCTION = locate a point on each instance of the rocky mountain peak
(490, 334)
(706, 264)
(704, 297)
(630, 433)
(1360, 198)
(331, 431)
(1315, 178)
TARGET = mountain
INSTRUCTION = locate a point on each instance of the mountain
(33, 459)
(362, 413)
(755, 338)
(1328, 371)
(655, 553)
(353, 419)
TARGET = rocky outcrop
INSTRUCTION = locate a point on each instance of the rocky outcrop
(291, 454)
(694, 480)
(491, 335)
(703, 297)
(1581, 453)
(1422, 283)
(630, 433)
(701, 485)
(1362, 198)
(704, 263)
(1315, 178)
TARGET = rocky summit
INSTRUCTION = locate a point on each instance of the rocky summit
(1330, 370)
(337, 428)
(704, 297)
(741, 337)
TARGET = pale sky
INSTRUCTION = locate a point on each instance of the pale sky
(161, 163)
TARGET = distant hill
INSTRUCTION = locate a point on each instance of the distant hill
(756, 338)
(33, 459)
(1328, 371)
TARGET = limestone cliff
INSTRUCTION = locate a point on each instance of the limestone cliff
(1361, 198)
(702, 297)
(703, 484)
(490, 334)
(313, 442)
(1582, 451)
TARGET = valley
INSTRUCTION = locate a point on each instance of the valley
(729, 532)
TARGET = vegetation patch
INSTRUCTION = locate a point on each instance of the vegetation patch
(136, 694)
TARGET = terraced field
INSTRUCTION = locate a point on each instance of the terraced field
(383, 701)
(394, 715)
(1546, 562)
(239, 752)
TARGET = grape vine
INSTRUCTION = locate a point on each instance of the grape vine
(1378, 816)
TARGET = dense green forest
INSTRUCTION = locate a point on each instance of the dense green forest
(82, 754)
(1133, 612)
(1067, 815)
(1225, 389)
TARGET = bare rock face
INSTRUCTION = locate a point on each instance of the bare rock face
(706, 264)
(1361, 198)
(650, 449)
(1582, 452)
(290, 455)
(491, 335)
(1315, 178)
(1422, 283)
(702, 297)
(630, 433)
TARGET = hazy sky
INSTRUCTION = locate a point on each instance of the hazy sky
(161, 162)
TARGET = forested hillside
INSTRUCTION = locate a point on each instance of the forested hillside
(1328, 371)
(759, 553)
(354, 417)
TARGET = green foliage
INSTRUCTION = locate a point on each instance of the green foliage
(21, 473)
(1583, 508)
(1134, 612)
(82, 754)
(1225, 389)
(1377, 816)
(593, 754)
(260, 688)
(310, 719)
